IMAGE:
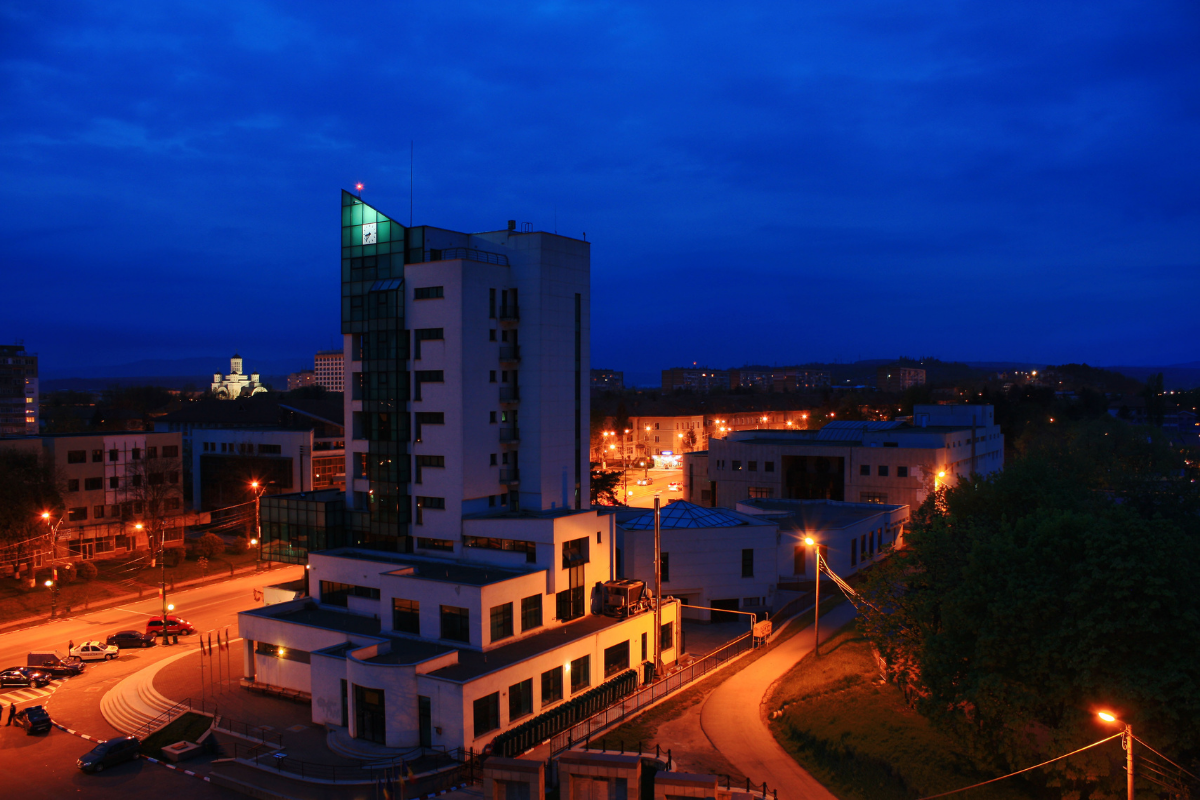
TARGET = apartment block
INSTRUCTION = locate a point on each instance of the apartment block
(329, 370)
(695, 379)
(18, 391)
(898, 377)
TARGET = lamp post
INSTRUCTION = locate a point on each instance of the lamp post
(162, 561)
(259, 489)
(808, 540)
(1127, 746)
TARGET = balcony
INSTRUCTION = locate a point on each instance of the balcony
(510, 435)
(510, 356)
(510, 476)
(510, 395)
(509, 314)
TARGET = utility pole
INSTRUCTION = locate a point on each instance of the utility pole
(817, 607)
(1127, 744)
(657, 586)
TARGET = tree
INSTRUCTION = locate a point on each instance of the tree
(152, 492)
(210, 545)
(28, 488)
(1156, 407)
(1025, 600)
(689, 440)
(605, 485)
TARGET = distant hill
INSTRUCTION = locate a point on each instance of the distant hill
(96, 384)
(1175, 376)
(157, 367)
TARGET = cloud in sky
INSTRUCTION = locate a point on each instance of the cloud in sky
(779, 182)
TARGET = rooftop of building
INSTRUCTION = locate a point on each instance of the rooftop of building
(312, 614)
(817, 514)
(473, 663)
(681, 514)
(437, 569)
(258, 410)
(529, 513)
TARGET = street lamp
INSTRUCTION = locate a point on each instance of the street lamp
(162, 560)
(258, 489)
(808, 540)
(1126, 745)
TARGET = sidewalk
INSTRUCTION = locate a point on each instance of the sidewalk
(732, 716)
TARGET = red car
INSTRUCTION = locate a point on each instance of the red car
(175, 625)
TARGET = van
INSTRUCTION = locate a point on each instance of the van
(175, 626)
(55, 664)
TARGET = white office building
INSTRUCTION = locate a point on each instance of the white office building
(455, 587)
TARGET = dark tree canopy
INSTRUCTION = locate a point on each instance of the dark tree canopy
(1025, 602)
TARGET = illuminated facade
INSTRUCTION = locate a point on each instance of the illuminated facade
(329, 370)
(236, 384)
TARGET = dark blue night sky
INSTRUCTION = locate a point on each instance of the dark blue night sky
(761, 182)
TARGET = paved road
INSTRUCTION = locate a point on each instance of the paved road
(44, 766)
(643, 496)
(733, 718)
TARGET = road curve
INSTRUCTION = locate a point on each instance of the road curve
(733, 716)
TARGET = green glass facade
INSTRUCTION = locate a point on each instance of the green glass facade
(375, 249)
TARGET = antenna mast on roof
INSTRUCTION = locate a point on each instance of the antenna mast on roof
(410, 182)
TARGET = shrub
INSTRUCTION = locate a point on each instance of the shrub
(191, 552)
(237, 547)
(67, 574)
(210, 545)
(87, 571)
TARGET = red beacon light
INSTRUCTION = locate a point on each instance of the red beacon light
(358, 186)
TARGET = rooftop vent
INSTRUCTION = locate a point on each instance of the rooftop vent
(512, 224)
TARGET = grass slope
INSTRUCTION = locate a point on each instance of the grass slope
(858, 738)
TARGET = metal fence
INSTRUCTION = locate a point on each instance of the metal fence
(173, 713)
(582, 731)
(238, 728)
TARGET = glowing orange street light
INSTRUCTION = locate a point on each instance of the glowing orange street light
(808, 540)
(45, 515)
(1126, 745)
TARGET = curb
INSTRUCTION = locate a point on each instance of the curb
(147, 758)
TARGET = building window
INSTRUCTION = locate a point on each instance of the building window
(616, 659)
(520, 699)
(93, 484)
(575, 553)
(428, 292)
(873, 497)
(114, 482)
(864, 469)
(97, 456)
(98, 512)
(488, 543)
(270, 449)
(552, 686)
(77, 514)
(502, 621)
(456, 624)
(151, 452)
(752, 466)
(854, 552)
(761, 492)
(487, 709)
(76, 456)
(644, 647)
(136, 455)
(445, 545)
(581, 674)
(748, 562)
(883, 470)
(73, 485)
(737, 465)
(170, 451)
(335, 594)
(665, 566)
(768, 466)
(531, 613)
(406, 616)
(666, 636)
(492, 460)
(901, 472)
(425, 335)
(114, 454)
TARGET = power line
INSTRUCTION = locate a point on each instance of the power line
(1027, 769)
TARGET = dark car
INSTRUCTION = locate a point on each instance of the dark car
(34, 719)
(55, 664)
(125, 639)
(110, 753)
(24, 676)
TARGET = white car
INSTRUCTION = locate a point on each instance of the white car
(95, 651)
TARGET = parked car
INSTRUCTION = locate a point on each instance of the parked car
(124, 639)
(55, 664)
(96, 651)
(674, 487)
(154, 626)
(34, 719)
(645, 481)
(110, 753)
(24, 676)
